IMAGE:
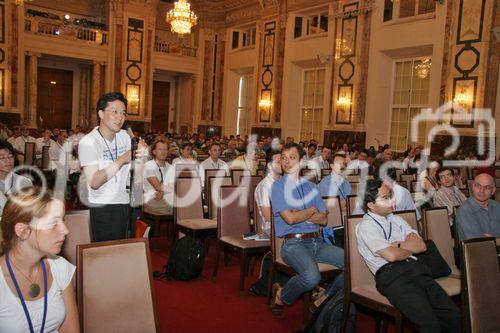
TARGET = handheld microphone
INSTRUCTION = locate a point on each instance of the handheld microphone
(134, 142)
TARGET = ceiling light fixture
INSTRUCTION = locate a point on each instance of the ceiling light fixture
(181, 18)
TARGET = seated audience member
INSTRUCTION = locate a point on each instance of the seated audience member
(213, 162)
(479, 215)
(230, 151)
(33, 230)
(45, 140)
(448, 194)
(361, 162)
(186, 155)
(298, 212)
(10, 182)
(21, 140)
(158, 180)
(310, 154)
(247, 161)
(402, 197)
(16, 132)
(336, 183)
(320, 162)
(263, 190)
(428, 178)
(387, 244)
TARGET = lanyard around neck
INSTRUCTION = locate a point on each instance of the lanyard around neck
(159, 169)
(21, 298)
(113, 158)
(380, 225)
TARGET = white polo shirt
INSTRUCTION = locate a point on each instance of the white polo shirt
(210, 164)
(372, 236)
(263, 197)
(94, 149)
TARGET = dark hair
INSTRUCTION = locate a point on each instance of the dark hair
(186, 144)
(270, 154)
(443, 168)
(109, 97)
(214, 144)
(391, 173)
(313, 145)
(371, 192)
(364, 150)
(7, 146)
(290, 145)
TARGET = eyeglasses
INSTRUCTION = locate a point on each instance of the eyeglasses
(115, 112)
(8, 157)
(485, 188)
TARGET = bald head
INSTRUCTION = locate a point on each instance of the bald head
(483, 188)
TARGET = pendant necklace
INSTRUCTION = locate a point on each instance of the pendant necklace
(34, 288)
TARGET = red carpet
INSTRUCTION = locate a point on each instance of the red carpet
(203, 305)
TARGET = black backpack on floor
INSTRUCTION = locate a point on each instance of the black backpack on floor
(185, 262)
(259, 288)
(328, 316)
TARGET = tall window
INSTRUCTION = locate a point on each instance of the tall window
(411, 93)
(244, 103)
(407, 8)
(312, 104)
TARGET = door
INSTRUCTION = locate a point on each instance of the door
(161, 106)
(54, 98)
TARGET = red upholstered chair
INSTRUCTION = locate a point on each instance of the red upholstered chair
(78, 225)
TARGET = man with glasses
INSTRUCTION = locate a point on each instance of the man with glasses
(387, 243)
(105, 155)
(479, 216)
(320, 162)
(213, 162)
(448, 195)
(10, 182)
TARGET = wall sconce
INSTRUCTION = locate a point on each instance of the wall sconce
(265, 103)
(53, 82)
(344, 102)
(463, 99)
(133, 98)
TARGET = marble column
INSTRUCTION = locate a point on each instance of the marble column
(96, 91)
(31, 109)
(83, 104)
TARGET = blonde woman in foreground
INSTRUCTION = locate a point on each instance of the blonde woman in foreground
(36, 293)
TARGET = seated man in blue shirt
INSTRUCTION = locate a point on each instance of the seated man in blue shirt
(479, 216)
(298, 212)
(335, 183)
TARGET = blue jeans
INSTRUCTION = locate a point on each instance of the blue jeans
(303, 255)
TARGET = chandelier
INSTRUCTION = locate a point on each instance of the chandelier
(181, 18)
(423, 68)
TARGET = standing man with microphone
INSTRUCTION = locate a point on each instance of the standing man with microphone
(105, 154)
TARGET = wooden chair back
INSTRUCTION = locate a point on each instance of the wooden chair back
(481, 281)
(79, 233)
(187, 199)
(232, 211)
(115, 287)
(334, 211)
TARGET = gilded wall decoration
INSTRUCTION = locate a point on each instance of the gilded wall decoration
(134, 66)
(2, 23)
(346, 49)
(207, 70)
(265, 105)
(467, 61)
